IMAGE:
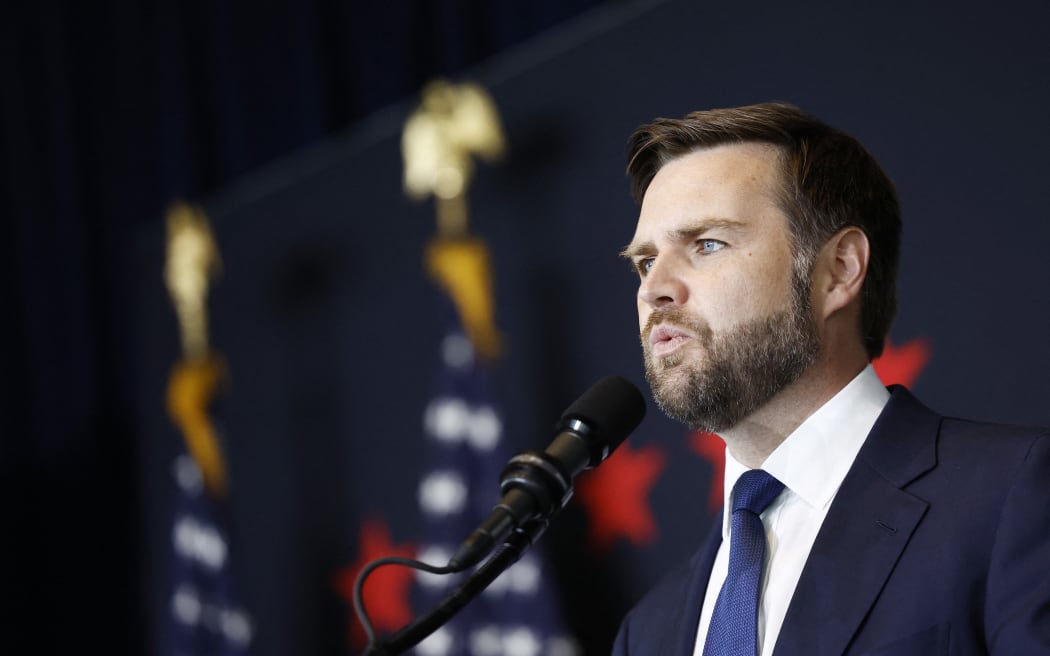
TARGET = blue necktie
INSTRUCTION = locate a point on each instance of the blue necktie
(734, 623)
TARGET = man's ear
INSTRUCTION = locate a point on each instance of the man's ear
(843, 264)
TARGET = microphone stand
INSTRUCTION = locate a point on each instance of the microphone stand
(514, 546)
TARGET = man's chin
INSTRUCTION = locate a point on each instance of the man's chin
(672, 383)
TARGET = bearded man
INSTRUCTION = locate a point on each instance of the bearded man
(857, 520)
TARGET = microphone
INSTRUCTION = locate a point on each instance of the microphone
(537, 484)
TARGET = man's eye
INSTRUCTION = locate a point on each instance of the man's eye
(708, 246)
(644, 265)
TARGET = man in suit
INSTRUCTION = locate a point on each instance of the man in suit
(766, 249)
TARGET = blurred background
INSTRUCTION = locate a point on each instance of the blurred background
(329, 383)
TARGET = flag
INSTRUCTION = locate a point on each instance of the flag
(464, 451)
(203, 616)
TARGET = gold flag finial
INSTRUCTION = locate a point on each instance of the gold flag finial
(453, 123)
(192, 260)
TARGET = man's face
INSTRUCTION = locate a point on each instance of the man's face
(725, 319)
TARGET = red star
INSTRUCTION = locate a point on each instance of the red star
(902, 365)
(711, 448)
(386, 589)
(616, 496)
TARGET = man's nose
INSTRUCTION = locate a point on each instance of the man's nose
(663, 285)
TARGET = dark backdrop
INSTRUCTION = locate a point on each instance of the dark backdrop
(109, 111)
(324, 312)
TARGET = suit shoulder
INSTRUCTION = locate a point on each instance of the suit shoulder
(1011, 439)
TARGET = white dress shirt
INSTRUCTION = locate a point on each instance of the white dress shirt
(811, 463)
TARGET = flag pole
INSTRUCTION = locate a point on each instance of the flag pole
(453, 123)
(203, 617)
(192, 261)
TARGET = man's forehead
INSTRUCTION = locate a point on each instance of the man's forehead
(729, 173)
(726, 158)
(725, 186)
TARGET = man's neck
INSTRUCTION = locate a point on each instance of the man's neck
(758, 435)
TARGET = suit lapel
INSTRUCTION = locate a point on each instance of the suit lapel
(681, 635)
(866, 529)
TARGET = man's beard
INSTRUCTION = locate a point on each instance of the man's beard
(739, 370)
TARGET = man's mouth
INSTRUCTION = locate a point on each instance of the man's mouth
(665, 340)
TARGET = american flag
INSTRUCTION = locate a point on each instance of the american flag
(203, 616)
(464, 452)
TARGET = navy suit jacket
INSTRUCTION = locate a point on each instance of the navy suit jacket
(938, 542)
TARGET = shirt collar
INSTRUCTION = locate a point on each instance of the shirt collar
(814, 459)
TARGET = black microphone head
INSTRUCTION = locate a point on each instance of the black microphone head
(608, 411)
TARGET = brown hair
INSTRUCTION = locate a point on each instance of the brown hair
(830, 182)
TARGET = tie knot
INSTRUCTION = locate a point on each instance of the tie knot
(755, 490)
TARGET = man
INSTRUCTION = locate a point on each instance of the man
(766, 249)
